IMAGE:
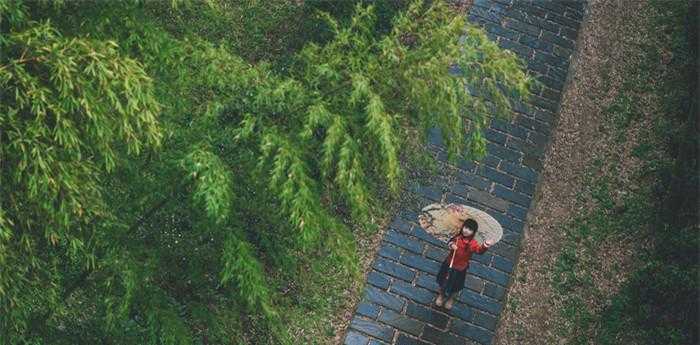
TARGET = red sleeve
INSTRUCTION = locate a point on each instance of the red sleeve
(478, 248)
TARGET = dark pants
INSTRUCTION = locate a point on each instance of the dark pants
(454, 283)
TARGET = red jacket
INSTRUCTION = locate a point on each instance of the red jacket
(465, 248)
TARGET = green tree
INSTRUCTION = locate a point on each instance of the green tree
(159, 188)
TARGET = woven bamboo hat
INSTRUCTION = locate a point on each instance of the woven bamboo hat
(445, 220)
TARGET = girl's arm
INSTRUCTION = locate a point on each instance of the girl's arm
(479, 248)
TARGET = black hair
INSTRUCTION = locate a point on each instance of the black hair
(471, 224)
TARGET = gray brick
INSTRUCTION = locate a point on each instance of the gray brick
(537, 66)
(430, 192)
(516, 211)
(485, 14)
(502, 152)
(482, 258)
(474, 283)
(564, 42)
(539, 140)
(383, 298)
(472, 180)
(435, 137)
(490, 160)
(510, 195)
(537, 44)
(421, 234)
(560, 19)
(552, 6)
(401, 322)
(393, 269)
(568, 33)
(533, 161)
(495, 136)
(420, 263)
(379, 280)
(494, 291)
(461, 311)
(508, 222)
(451, 198)
(488, 200)
(411, 292)
(496, 176)
(520, 171)
(406, 340)
(372, 328)
(521, 50)
(533, 30)
(466, 165)
(403, 241)
(427, 281)
(478, 334)
(505, 250)
(368, 309)
(503, 264)
(488, 273)
(389, 251)
(525, 188)
(355, 338)
(485, 320)
(376, 342)
(534, 125)
(511, 237)
(550, 94)
(551, 82)
(498, 30)
(480, 302)
(428, 315)
(401, 225)
(515, 144)
(436, 336)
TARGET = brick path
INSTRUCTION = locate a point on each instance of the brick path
(397, 304)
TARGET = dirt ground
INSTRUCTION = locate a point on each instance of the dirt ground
(605, 39)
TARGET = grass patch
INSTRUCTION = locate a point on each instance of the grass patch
(658, 303)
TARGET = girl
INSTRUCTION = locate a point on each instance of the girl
(462, 246)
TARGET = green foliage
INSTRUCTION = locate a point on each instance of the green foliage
(162, 182)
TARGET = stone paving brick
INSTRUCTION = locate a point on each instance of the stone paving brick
(383, 298)
(368, 309)
(437, 336)
(436, 253)
(480, 302)
(372, 328)
(428, 315)
(393, 269)
(467, 330)
(355, 338)
(471, 180)
(427, 281)
(376, 342)
(421, 234)
(403, 241)
(496, 176)
(484, 320)
(462, 311)
(389, 251)
(507, 194)
(420, 263)
(401, 322)
(502, 264)
(401, 225)
(406, 340)
(520, 171)
(488, 273)
(494, 291)
(378, 279)
(488, 199)
(411, 292)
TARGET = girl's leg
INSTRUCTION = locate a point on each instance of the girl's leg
(440, 299)
(450, 301)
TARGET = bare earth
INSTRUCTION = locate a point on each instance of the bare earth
(606, 44)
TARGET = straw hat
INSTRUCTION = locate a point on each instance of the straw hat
(444, 221)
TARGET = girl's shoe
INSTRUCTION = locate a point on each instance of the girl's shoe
(439, 300)
(448, 304)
